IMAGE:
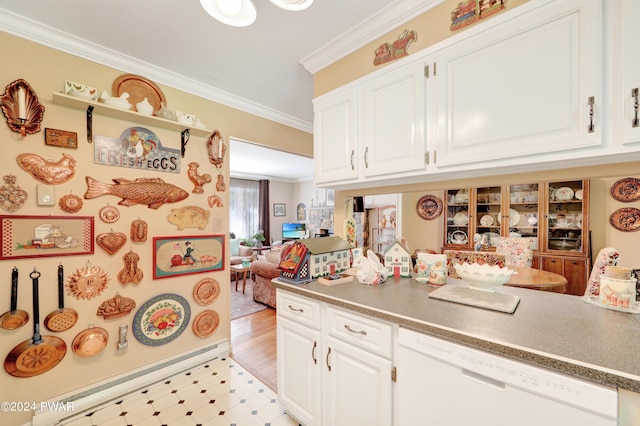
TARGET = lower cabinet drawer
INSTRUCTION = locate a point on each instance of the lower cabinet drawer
(364, 332)
(300, 309)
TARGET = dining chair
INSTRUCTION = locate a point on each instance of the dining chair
(607, 256)
(482, 257)
(517, 251)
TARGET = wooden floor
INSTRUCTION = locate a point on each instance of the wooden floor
(253, 343)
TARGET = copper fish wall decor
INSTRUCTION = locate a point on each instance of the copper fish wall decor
(154, 192)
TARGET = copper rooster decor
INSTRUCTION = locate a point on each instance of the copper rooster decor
(48, 171)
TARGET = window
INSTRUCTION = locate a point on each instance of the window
(244, 210)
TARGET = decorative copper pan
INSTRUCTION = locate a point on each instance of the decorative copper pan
(62, 318)
(15, 318)
(39, 354)
(206, 291)
(205, 323)
(139, 88)
(90, 342)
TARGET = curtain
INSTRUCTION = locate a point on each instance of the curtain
(244, 216)
(265, 218)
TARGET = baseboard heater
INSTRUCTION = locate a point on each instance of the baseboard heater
(113, 388)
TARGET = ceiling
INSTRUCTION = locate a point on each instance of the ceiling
(265, 69)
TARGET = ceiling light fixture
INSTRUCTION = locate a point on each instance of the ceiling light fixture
(295, 5)
(242, 13)
(237, 13)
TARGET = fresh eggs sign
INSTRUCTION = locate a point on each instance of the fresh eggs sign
(136, 148)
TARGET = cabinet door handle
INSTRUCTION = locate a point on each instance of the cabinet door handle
(353, 152)
(327, 358)
(366, 163)
(296, 309)
(636, 105)
(591, 102)
(364, 333)
(313, 352)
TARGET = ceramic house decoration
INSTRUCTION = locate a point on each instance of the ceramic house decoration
(398, 260)
(312, 258)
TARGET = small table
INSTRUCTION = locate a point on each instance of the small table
(262, 248)
(537, 279)
(239, 269)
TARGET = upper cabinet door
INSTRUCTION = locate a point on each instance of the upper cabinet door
(529, 85)
(335, 138)
(393, 122)
(630, 68)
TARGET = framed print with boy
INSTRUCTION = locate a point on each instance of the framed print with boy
(173, 256)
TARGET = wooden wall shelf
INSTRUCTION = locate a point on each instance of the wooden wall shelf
(127, 115)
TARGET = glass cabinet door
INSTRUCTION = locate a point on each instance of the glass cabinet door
(565, 215)
(488, 218)
(457, 218)
(524, 211)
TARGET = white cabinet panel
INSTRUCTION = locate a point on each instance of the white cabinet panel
(630, 68)
(357, 389)
(522, 87)
(298, 350)
(393, 133)
(335, 138)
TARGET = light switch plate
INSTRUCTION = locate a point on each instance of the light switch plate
(46, 195)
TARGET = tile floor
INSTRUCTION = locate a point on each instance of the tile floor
(220, 392)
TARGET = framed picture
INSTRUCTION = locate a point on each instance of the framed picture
(174, 256)
(44, 236)
(279, 209)
(302, 211)
(330, 198)
(61, 138)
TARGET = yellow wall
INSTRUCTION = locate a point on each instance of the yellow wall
(432, 27)
(45, 69)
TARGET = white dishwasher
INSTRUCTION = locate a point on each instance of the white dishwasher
(441, 383)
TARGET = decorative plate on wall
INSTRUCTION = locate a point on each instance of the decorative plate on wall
(205, 323)
(626, 219)
(161, 319)
(429, 207)
(626, 190)
(206, 291)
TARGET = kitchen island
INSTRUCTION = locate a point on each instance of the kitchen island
(562, 333)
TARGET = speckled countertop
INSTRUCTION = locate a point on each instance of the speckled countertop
(557, 331)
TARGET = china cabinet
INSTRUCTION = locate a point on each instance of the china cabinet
(334, 366)
(554, 215)
(528, 86)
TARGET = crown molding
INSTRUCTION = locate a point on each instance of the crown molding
(386, 20)
(45, 35)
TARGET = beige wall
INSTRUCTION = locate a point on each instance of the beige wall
(46, 69)
(432, 27)
(422, 233)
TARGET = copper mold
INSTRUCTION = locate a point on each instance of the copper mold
(116, 307)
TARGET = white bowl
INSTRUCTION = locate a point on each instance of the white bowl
(115, 102)
(484, 277)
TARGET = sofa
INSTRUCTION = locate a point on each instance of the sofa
(239, 252)
(264, 270)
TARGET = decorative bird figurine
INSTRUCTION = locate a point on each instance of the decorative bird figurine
(50, 172)
(197, 180)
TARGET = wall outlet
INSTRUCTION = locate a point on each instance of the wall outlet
(46, 195)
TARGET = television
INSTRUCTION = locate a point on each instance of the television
(294, 231)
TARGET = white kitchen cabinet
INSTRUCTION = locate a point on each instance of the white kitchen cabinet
(299, 357)
(335, 136)
(334, 366)
(374, 129)
(522, 88)
(628, 63)
(393, 122)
